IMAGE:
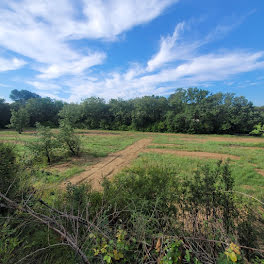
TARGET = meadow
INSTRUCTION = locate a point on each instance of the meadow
(139, 197)
(182, 153)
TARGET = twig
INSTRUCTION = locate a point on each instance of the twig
(42, 249)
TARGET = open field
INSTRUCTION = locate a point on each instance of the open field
(105, 153)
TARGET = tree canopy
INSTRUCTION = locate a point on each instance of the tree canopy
(22, 96)
(190, 110)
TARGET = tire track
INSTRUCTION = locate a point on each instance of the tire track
(109, 166)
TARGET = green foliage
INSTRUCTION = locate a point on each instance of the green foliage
(46, 144)
(258, 130)
(22, 96)
(147, 214)
(5, 113)
(9, 242)
(8, 170)
(190, 110)
(44, 111)
(67, 137)
(174, 253)
(112, 251)
(19, 119)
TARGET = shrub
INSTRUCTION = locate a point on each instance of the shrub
(46, 144)
(8, 169)
(68, 139)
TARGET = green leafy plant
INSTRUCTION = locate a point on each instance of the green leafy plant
(46, 144)
(67, 137)
(258, 130)
(19, 119)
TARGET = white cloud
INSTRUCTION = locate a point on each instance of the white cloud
(72, 68)
(45, 86)
(199, 71)
(11, 64)
(168, 51)
(41, 29)
(107, 19)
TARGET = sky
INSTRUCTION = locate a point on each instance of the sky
(73, 49)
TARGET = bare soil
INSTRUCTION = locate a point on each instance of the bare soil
(166, 145)
(75, 161)
(222, 139)
(98, 134)
(261, 172)
(196, 154)
(109, 166)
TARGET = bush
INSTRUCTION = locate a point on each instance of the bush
(8, 169)
(46, 144)
(67, 138)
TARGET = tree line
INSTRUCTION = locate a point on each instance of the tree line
(190, 110)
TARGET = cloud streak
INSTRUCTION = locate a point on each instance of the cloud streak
(11, 64)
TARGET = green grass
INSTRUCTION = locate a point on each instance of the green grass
(92, 145)
(253, 156)
(101, 143)
(101, 146)
(247, 180)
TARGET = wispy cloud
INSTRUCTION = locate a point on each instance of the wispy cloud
(169, 51)
(11, 64)
(43, 32)
(175, 65)
(40, 30)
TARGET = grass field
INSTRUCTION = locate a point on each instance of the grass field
(179, 154)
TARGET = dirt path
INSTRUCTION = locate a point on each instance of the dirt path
(196, 154)
(110, 165)
(222, 139)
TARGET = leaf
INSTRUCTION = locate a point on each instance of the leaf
(107, 259)
(233, 256)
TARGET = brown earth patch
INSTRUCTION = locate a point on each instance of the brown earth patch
(75, 161)
(109, 166)
(98, 134)
(222, 139)
(195, 154)
(248, 187)
(166, 145)
(245, 147)
(259, 171)
(13, 142)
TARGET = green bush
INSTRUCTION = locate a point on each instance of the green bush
(8, 169)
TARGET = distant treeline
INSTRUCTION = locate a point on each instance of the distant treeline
(187, 110)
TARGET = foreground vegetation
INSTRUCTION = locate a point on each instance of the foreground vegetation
(149, 213)
(164, 209)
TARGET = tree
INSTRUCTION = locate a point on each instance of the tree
(46, 143)
(44, 111)
(73, 113)
(68, 139)
(148, 112)
(22, 96)
(5, 113)
(96, 113)
(19, 119)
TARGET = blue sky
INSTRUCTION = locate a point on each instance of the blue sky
(73, 49)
